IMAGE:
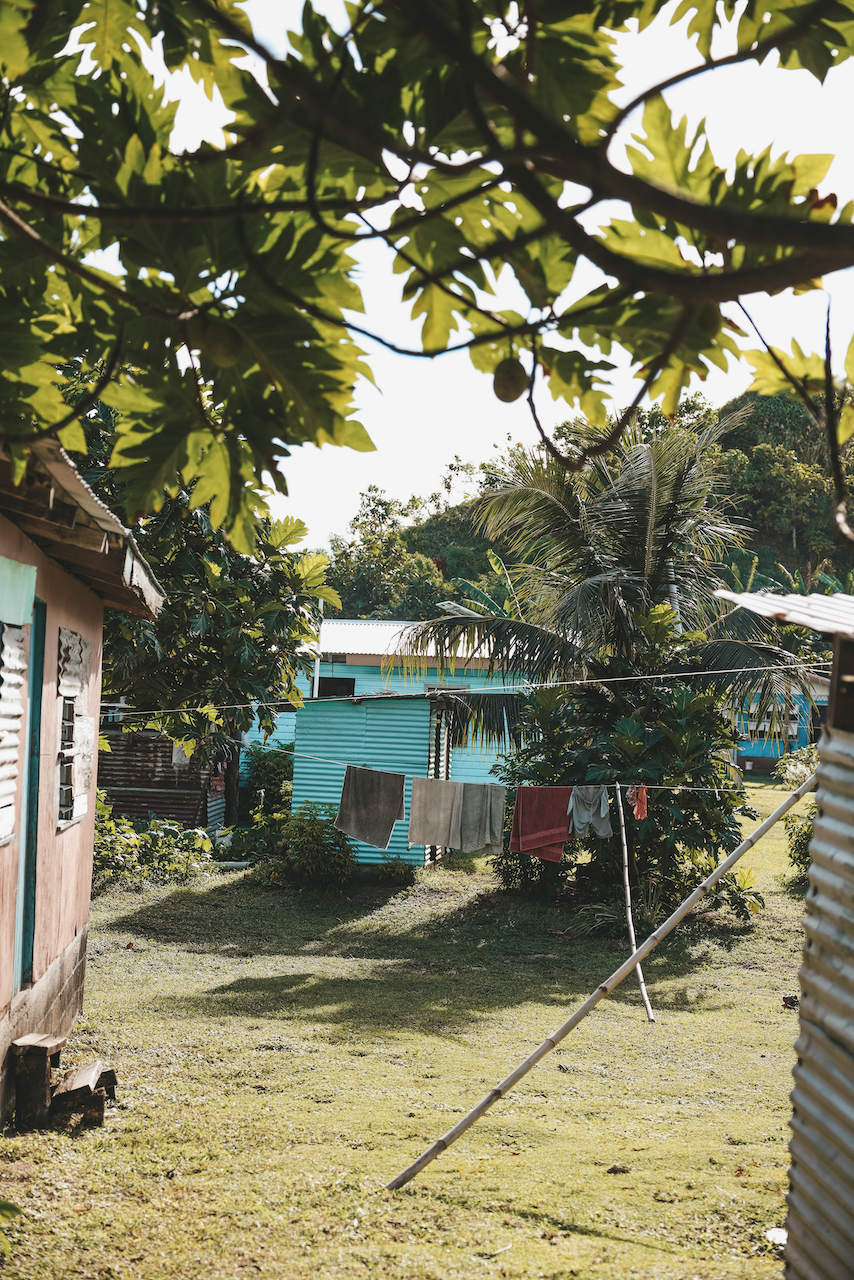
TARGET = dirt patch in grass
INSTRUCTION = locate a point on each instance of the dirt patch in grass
(282, 1055)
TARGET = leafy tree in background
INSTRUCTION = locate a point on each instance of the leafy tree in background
(471, 137)
(666, 735)
(225, 651)
(226, 648)
(375, 574)
(594, 552)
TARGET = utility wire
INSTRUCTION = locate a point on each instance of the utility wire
(799, 668)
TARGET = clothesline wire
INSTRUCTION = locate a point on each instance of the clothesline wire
(517, 688)
(345, 764)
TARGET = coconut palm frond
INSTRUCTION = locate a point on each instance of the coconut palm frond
(485, 717)
(505, 643)
(762, 677)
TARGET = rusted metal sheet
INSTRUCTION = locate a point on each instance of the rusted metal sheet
(821, 1199)
(146, 759)
(186, 807)
(144, 773)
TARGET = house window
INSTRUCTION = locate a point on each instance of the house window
(77, 735)
(335, 687)
(66, 761)
(13, 671)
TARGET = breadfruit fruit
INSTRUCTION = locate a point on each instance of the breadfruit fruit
(222, 343)
(509, 381)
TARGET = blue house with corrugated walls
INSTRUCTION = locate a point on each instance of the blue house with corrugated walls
(357, 713)
(759, 750)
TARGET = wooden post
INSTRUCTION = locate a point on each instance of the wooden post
(32, 1055)
(601, 991)
(629, 920)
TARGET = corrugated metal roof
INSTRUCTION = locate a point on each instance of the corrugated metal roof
(119, 564)
(821, 1200)
(833, 614)
(380, 733)
(360, 635)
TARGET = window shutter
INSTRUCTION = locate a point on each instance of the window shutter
(13, 672)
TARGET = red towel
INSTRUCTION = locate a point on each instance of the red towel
(541, 822)
(636, 797)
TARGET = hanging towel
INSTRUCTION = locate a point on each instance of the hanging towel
(588, 807)
(482, 819)
(371, 803)
(540, 822)
(636, 797)
(434, 812)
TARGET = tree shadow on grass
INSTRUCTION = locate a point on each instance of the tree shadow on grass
(439, 956)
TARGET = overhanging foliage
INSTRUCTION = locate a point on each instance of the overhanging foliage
(448, 130)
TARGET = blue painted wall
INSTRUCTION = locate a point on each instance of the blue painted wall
(754, 744)
(467, 766)
(389, 734)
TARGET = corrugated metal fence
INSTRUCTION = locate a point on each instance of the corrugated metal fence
(380, 733)
(821, 1200)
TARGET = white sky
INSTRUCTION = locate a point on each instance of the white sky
(427, 412)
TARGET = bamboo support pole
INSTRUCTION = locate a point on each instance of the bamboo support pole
(628, 892)
(599, 994)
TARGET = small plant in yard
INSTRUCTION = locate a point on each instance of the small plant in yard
(796, 766)
(131, 853)
(393, 870)
(798, 836)
(269, 783)
(304, 848)
(8, 1211)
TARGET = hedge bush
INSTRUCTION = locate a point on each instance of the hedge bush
(131, 853)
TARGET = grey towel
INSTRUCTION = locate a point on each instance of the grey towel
(589, 808)
(434, 812)
(371, 803)
(482, 821)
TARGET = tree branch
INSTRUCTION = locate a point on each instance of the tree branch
(10, 219)
(569, 159)
(758, 52)
(596, 451)
(327, 318)
(831, 420)
(708, 287)
(176, 213)
(83, 405)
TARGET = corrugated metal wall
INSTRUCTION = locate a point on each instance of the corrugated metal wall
(389, 734)
(821, 1200)
(474, 762)
(140, 778)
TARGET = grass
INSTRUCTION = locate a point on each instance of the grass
(282, 1055)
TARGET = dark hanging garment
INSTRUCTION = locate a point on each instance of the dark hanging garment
(482, 820)
(541, 822)
(371, 803)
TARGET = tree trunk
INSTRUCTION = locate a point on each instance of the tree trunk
(232, 783)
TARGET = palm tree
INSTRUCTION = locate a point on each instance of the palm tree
(645, 525)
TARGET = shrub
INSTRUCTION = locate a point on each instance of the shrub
(303, 848)
(393, 870)
(796, 766)
(131, 853)
(269, 782)
(798, 835)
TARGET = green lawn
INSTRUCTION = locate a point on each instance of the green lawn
(282, 1055)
